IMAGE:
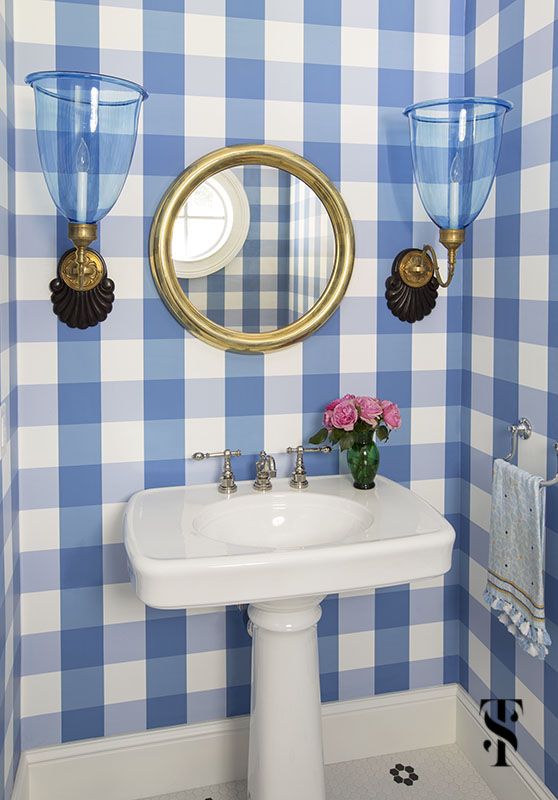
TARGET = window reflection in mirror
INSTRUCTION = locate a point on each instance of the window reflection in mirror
(253, 248)
(211, 226)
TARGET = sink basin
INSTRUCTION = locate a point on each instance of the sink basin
(190, 546)
(281, 552)
(281, 521)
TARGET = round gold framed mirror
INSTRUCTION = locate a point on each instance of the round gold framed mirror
(252, 248)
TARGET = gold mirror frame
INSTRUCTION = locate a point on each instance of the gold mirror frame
(162, 266)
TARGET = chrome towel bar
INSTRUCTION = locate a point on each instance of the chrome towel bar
(552, 481)
(523, 429)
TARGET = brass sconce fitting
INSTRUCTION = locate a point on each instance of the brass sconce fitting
(82, 269)
(82, 295)
(452, 239)
(412, 287)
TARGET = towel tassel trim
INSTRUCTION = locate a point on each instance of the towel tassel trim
(533, 639)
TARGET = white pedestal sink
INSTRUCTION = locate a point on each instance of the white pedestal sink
(281, 552)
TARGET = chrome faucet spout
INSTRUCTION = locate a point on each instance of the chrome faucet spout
(265, 469)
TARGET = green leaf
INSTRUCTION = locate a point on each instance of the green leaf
(346, 440)
(362, 428)
(319, 437)
(382, 433)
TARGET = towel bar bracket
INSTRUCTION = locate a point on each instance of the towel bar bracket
(522, 429)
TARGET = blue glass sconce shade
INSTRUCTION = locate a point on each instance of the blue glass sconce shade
(455, 145)
(86, 131)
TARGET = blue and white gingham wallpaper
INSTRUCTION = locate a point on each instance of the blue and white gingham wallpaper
(105, 412)
(251, 293)
(9, 562)
(311, 249)
(284, 264)
(511, 348)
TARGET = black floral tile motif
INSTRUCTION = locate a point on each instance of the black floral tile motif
(404, 774)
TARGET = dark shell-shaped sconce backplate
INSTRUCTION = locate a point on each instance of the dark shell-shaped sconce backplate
(409, 303)
(82, 309)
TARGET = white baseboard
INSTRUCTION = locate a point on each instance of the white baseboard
(172, 759)
(518, 782)
(168, 760)
(388, 723)
(21, 783)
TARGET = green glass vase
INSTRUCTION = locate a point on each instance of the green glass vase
(364, 459)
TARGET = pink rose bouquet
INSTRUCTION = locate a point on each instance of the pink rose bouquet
(350, 420)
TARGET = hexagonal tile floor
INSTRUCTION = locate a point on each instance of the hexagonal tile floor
(435, 773)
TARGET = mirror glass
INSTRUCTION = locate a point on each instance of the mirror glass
(253, 248)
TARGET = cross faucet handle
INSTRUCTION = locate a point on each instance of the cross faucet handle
(299, 479)
(227, 483)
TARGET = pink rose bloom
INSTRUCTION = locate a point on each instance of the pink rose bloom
(344, 415)
(392, 415)
(370, 408)
(328, 413)
(331, 406)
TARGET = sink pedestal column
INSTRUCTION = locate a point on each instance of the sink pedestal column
(286, 756)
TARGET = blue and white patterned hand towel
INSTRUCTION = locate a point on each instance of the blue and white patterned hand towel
(516, 562)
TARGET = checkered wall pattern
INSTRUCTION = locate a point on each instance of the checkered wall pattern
(311, 249)
(108, 411)
(284, 264)
(9, 566)
(511, 349)
(251, 292)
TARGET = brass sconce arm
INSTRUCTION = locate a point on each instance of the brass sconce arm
(429, 255)
(452, 239)
(417, 267)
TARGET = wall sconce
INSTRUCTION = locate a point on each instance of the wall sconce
(455, 145)
(86, 131)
